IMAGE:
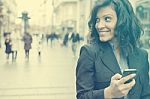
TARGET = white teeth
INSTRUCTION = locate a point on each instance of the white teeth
(104, 31)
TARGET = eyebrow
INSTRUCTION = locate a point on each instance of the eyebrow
(105, 15)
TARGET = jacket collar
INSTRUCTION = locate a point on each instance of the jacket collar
(109, 59)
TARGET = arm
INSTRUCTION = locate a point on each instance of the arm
(85, 76)
(145, 78)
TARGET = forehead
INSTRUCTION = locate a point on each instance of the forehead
(108, 10)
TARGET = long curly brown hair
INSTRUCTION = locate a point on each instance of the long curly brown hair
(128, 29)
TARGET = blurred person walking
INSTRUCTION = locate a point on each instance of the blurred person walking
(39, 45)
(27, 38)
(65, 40)
(8, 45)
(15, 45)
(75, 39)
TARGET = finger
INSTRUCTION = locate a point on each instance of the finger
(126, 78)
(116, 77)
(128, 86)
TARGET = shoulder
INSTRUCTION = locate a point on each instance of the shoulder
(89, 50)
(141, 52)
(142, 56)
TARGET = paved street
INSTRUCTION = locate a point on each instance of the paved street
(51, 76)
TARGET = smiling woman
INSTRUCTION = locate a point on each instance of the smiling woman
(115, 33)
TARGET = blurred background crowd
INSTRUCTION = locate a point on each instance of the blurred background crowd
(55, 19)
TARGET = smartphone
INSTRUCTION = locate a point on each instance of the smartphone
(128, 72)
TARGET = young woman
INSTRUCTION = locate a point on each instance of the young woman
(115, 33)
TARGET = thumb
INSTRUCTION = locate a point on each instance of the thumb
(116, 77)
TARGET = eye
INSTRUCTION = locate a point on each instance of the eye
(97, 20)
(107, 19)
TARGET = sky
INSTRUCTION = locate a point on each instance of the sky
(39, 12)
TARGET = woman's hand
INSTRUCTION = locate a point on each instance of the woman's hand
(117, 88)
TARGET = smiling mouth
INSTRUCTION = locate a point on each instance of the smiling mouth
(104, 31)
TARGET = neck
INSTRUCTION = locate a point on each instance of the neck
(115, 43)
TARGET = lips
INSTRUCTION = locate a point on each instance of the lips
(102, 33)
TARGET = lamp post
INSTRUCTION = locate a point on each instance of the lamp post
(25, 19)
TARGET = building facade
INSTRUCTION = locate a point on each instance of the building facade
(65, 16)
(143, 14)
(9, 15)
(72, 15)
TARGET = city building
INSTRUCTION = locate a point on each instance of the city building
(71, 15)
(9, 15)
(65, 15)
(143, 14)
(84, 10)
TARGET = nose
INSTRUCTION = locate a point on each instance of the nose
(101, 24)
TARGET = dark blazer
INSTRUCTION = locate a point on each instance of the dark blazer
(96, 66)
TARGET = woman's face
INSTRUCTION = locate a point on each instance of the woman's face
(105, 23)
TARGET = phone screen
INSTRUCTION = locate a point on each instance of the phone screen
(128, 72)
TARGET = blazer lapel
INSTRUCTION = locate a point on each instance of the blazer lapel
(109, 59)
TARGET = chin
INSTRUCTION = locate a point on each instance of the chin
(104, 40)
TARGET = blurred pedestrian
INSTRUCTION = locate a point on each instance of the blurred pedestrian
(39, 48)
(65, 40)
(27, 38)
(39, 45)
(52, 37)
(75, 39)
(15, 44)
(8, 45)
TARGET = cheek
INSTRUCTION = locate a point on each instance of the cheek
(111, 35)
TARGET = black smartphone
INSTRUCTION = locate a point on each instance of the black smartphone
(128, 72)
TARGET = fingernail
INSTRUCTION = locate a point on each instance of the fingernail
(133, 75)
